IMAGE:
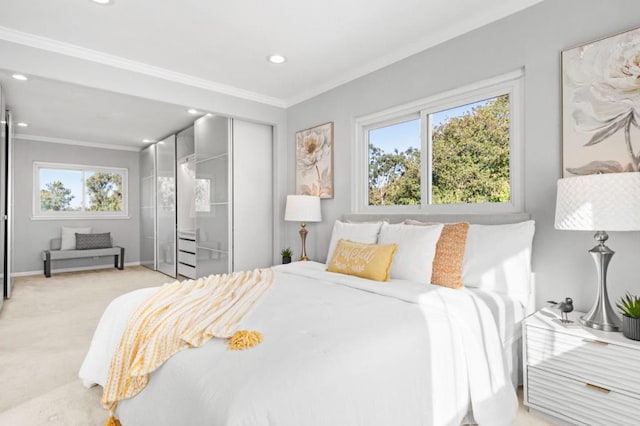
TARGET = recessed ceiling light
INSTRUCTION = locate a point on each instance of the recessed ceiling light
(102, 1)
(20, 77)
(147, 140)
(276, 59)
(22, 124)
(193, 111)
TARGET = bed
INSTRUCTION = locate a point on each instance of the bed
(342, 350)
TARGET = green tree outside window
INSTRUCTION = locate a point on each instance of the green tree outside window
(55, 197)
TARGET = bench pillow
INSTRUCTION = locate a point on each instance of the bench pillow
(68, 240)
(93, 241)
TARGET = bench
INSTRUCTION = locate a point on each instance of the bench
(54, 253)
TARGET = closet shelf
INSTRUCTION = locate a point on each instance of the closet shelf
(215, 157)
(212, 249)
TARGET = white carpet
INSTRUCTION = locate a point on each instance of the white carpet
(45, 330)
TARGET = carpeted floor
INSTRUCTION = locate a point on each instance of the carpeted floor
(45, 330)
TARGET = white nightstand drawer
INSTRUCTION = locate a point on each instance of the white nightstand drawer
(602, 363)
(580, 402)
(188, 258)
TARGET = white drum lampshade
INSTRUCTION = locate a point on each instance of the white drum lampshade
(303, 209)
(605, 202)
(602, 202)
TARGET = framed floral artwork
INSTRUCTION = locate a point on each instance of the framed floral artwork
(601, 106)
(314, 161)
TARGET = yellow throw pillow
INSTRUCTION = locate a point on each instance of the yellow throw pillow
(371, 261)
(447, 263)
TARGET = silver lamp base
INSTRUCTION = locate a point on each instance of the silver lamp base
(601, 316)
(599, 323)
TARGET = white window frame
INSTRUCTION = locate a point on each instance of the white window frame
(38, 214)
(508, 84)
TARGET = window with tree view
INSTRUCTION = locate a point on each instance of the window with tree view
(72, 190)
(394, 164)
(456, 151)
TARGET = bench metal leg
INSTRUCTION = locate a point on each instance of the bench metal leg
(47, 265)
(118, 261)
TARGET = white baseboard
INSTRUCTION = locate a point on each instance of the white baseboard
(76, 269)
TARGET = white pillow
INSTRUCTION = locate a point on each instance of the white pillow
(366, 233)
(498, 258)
(416, 249)
(68, 239)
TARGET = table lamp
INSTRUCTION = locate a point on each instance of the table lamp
(600, 202)
(303, 209)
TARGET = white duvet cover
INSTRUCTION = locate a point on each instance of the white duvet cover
(337, 350)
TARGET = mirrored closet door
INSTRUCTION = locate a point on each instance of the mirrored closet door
(186, 207)
(148, 207)
(166, 205)
(213, 195)
(6, 201)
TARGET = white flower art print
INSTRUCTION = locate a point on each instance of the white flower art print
(601, 106)
(314, 161)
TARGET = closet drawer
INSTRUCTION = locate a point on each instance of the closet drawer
(583, 402)
(187, 258)
(186, 245)
(603, 363)
(186, 270)
(187, 235)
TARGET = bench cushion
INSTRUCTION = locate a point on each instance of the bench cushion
(74, 254)
(55, 243)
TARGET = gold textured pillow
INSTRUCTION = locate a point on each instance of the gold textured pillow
(371, 261)
(447, 263)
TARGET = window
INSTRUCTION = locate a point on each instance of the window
(456, 152)
(73, 191)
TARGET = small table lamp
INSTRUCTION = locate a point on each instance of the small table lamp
(602, 202)
(303, 209)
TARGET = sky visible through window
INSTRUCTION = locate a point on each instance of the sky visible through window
(71, 179)
(407, 134)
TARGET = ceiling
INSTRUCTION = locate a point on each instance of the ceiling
(67, 113)
(222, 47)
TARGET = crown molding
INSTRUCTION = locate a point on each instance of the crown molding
(68, 49)
(454, 30)
(64, 141)
(474, 21)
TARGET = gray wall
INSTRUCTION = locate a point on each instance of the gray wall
(32, 236)
(532, 39)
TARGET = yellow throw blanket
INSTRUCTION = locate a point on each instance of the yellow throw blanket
(181, 315)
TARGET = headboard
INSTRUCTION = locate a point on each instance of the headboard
(482, 219)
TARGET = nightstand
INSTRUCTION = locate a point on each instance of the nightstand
(580, 375)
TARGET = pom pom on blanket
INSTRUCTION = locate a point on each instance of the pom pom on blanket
(244, 339)
(112, 422)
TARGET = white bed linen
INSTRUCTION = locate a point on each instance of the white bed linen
(337, 350)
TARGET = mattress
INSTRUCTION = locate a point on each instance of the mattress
(337, 350)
